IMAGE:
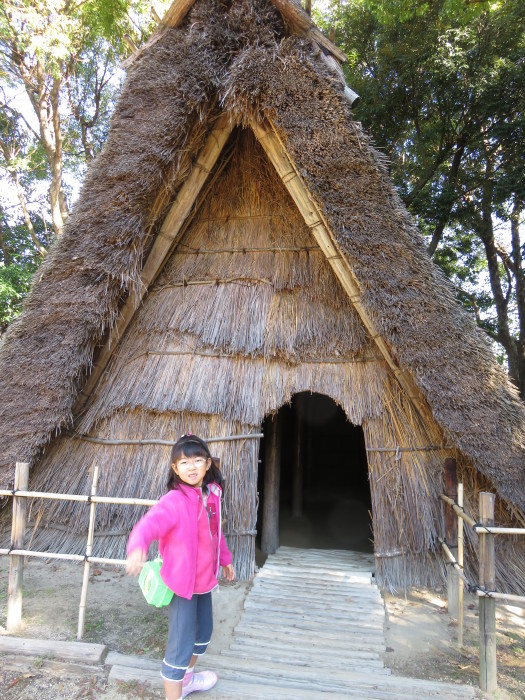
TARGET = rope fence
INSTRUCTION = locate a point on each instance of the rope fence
(455, 517)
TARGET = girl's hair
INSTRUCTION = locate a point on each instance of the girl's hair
(193, 446)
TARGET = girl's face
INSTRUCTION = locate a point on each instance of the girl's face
(191, 470)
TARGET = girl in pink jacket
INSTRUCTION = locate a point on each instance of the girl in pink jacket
(187, 524)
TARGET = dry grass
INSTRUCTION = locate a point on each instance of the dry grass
(246, 312)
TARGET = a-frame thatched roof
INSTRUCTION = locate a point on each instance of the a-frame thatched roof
(258, 64)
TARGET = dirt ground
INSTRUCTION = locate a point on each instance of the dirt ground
(420, 636)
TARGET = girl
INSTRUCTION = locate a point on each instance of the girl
(187, 523)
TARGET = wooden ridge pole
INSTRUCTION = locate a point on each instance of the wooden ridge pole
(16, 564)
(488, 680)
(314, 219)
(87, 565)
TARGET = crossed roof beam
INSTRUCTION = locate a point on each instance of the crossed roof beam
(180, 215)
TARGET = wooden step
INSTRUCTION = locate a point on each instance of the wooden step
(299, 603)
(302, 658)
(330, 638)
(312, 644)
(312, 627)
(81, 652)
(314, 622)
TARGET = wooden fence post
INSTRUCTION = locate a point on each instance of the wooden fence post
(451, 535)
(272, 480)
(87, 566)
(488, 679)
(460, 562)
(16, 563)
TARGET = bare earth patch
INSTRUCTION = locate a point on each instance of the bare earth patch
(420, 636)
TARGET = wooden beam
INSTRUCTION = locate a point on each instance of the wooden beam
(314, 219)
(301, 23)
(177, 12)
(272, 481)
(167, 238)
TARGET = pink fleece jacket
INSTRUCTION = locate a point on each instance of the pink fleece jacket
(173, 522)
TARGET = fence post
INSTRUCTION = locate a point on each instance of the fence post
(460, 562)
(451, 535)
(87, 566)
(488, 679)
(16, 562)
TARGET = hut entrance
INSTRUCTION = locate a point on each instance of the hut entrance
(313, 479)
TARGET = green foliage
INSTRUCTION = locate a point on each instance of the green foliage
(59, 79)
(18, 262)
(442, 86)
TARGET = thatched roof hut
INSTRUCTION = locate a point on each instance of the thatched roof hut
(239, 242)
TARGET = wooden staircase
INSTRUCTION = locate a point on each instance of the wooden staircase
(312, 627)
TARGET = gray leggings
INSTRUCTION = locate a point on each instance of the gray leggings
(190, 628)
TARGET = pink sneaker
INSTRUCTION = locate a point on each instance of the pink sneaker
(204, 680)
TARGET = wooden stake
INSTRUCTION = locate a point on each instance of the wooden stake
(16, 563)
(272, 479)
(298, 459)
(87, 565)
(488, 679)
(451, 535)
(460, 562)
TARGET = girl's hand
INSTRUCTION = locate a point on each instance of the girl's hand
(135, 562)
(228, 572)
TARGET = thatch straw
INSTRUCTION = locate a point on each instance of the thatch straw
(229, 334)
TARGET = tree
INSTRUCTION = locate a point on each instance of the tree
(442, 87)
(63, 55)
(59, 76)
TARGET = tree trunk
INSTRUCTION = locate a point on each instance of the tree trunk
(446, 201)
(46, 106)
(520, 295)
(485, 231)
(3, 246)
(29, 224)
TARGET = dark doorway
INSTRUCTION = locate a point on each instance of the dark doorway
(323, 491)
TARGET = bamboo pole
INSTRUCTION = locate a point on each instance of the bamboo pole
(65, 557)
(16, 564)
(453, 561)
(451, 535)
(154, 441)
(81, 498)
(460, 512)
(500, 530)
(488, 680)
(461, 563)
(87, 564)
(501, 596)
